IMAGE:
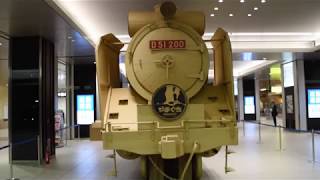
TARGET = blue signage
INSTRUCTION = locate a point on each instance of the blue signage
(314, 103)
(85, 109)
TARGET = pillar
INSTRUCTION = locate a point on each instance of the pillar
(31, 98)
(249, 98)
(240, 100)
(257, 96)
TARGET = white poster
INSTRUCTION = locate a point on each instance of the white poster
(85, 109)
(288, 79)
(249, 106)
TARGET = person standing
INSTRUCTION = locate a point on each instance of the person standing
(274, 113)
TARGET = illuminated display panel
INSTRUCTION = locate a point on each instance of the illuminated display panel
(85, 109)
(288, 80)
(314, 103)
(249, 107)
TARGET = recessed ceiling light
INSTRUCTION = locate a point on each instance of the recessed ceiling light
(242, 1)
(249, 15)
(255, 8)
(216, 8)
(212, 15)
(263, 1)
(230, 14)
(220, 1)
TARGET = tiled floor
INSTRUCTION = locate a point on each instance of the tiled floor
(268, 120)
(252, 161)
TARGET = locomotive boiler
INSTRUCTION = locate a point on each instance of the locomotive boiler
(170, 116)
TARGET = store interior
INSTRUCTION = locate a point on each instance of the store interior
(4, 72)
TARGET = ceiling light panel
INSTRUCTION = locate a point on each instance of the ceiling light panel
(80, 15)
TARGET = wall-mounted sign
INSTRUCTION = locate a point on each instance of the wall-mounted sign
(276, 89)
(85, 109)
(249, 106)
(290, 106)
(313, 103)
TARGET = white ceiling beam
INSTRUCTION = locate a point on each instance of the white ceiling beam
(243, 68)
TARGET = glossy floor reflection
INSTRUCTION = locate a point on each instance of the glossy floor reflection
(269, 121)
(252, 161)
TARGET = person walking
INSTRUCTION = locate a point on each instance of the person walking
(274, 113)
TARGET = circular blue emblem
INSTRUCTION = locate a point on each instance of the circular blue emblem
(169, 102)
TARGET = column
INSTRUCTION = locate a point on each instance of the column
(31, 97)
(257, 96)
(249, 98)
(85, 88)
(240, 100)
(309, 90)
(301, 78)
(300, 90)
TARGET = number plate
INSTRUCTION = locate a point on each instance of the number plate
(167, 44)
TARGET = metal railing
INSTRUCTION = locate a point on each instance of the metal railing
(32, 139)
(68, 128)
(280, 128)
(11, 144)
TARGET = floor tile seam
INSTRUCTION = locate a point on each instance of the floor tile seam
(77, 164)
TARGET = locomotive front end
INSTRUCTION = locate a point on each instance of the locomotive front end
(170, 116)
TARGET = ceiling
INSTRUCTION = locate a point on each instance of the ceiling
(271, 32)
(35, 18)
(277, 25)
